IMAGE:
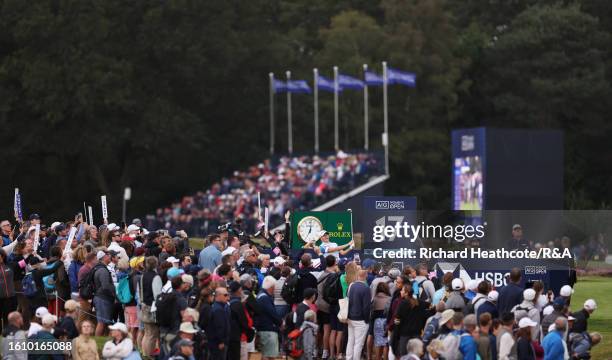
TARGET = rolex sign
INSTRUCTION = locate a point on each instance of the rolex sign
(307, 227)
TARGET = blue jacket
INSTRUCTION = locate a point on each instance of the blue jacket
(267, 319)
(489, 307)
(73, 275)
(467, 345)
(553, 346)
(210, 258)
(218, 329)
(360, 300)
(509, 296)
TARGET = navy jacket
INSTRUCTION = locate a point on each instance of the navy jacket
(307, 280)
(360, 299)
(218, 330)
(267, 319)
(509, 296)
(489, 307)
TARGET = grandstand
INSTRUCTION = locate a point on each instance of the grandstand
(304, 182)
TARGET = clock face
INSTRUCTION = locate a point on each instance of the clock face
(308, 228)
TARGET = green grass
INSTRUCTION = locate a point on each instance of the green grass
(196, 243)
(600, 289)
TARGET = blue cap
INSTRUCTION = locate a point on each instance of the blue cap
(559, 301)
(173, 272)
(367, 263)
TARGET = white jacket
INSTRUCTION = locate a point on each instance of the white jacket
(118, 351)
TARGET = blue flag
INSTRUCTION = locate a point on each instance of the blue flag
(326, 84)
(279, 86)
(298, 86)
(349, 82)
(372, 79)
(401, 77)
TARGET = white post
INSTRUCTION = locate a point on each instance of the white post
(366, 134)
(316, 109)
(386, 118)
(336, 88)
(289, 123)
(271, 113)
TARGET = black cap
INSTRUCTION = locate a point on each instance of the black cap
(112, 253)
(309, 292)
(60, 227)
(34, 217)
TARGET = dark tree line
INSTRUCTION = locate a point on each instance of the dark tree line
(168, 96)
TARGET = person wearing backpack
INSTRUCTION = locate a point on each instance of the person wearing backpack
(426, 288)
(305, 278)
(85, 304)
(435, 322)
(528, 309)
(58, 282)
(40, 270)
(323, 307)
(456, 300)
(489, 305)
(105, 294)
(126, 295)
(481, 296)
(241, 324)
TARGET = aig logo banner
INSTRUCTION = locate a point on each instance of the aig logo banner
(386, 210)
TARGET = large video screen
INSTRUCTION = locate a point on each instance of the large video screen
(468, 183)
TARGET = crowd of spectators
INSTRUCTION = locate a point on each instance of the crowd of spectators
(153, 296)
(298, 182)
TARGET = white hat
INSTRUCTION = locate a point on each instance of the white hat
(473, 284)
(54, 225)
(492, 296)
(133, 228)
(571, 318)
(49, 319)
(229, 251)
(526, 322)
(548, 310)
(278, 261)
(529, 294)
(172, 259)
(321, 233)
(112, 227)
(566, 291)
(590, 304)
(100, 254)
(188, 328)
(187, 279)
(552, 327)
(457, 284)
(316, 263)
(41, 311)
(119, 326)
(446, 316)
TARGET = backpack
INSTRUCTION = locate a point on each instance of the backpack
(332, 289)
(293, 345)
(419, 292)
(431, 329)
(165, 301)
(29, 286)
(289, 292)
(471, 307)
(451, 347)
(87, 288)
(124, 295)
(520, 312)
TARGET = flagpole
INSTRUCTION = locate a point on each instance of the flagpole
(315, 72)
(385, 138)
(366, 134)
(336, 135)
(289, 123)
(271, 113)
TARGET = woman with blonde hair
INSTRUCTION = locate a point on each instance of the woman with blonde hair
(84, 346)
(434, 349)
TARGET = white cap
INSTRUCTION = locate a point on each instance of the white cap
(529, 294)
(278, 261)
(133, 228)
(571, 318)
(492, 296)
(590, 304)
(229, 251)
(41, 311)
(552, 327)
(473, 284)
(187, 279)
(100, 254)
(526, 322)
(119, 326)
(457, 284)
(321, 233)
(172, 259)
(112, 227)
(54, 225)
(548, 310)
(187, 328)
(316, 263)
(49, 319)
(566, 291)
